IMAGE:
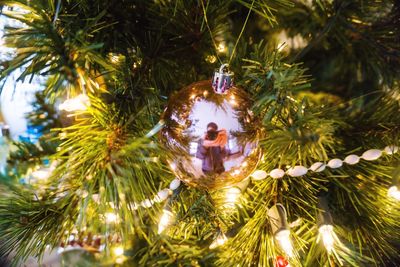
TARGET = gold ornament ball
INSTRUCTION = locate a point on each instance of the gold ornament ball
(211, 138)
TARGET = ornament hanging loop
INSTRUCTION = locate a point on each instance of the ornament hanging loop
(222, 80)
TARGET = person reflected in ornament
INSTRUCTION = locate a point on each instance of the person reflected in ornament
(211, 149)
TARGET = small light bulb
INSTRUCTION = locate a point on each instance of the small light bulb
(394, 192)
(80, 102)
(283, 238)
(328, 236)
(232, 196)
(111, 217)
(118, 251)
(165, 220)
(219, 241)
(41, 174)
(221, 47)
(211, 58)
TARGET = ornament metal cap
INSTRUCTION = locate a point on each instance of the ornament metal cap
(222, 80)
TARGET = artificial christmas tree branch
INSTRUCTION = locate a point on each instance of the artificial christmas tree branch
(127, 57)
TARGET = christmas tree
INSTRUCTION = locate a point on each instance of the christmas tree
(315, 91)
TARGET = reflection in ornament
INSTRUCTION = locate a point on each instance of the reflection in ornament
(211, 137)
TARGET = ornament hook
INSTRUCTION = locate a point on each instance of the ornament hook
(222, 80)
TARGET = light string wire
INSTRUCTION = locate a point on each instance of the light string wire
(209, 29)
(240, 34)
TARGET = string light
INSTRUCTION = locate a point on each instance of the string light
(232, 196)
(394, 192)
(221, 47)
(219, 241)
(80, 102)
(118, 251)
(280, 228)
(328, 236)
(165, 220)
(111, 217)
(285, 242)
(41, 174)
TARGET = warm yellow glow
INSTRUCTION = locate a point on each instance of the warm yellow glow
(173, 166)
(111, 217)
(232, 196)
(119, 260)
(118, 251)
(41, 174)
(211, 58)
(114, 58)
(236, 172)
(233, 102)
(165, 220)
(221, 47)
(328, 236)
(394, 192)
(80, 102)
(219, 241)
(283, 238)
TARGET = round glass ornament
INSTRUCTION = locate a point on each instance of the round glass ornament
(211, 137)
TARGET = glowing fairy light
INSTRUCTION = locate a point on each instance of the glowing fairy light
(283, 238)
(328, 236)
(232, 196)
(111, 217)
(280, 228)
(221, 47)
(80, 102)
(219, 241)
(394, 192)
(165, 220)
(118, 251)
(41, 174)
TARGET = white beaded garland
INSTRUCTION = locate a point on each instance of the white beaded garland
(318, 167)
(352, 159)
(335, 163)
(372, 154)
(162, 195)
(146, 203)
(297, 171)
(277, 173)
(259, 175)
(390, 150)
(175, 184)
